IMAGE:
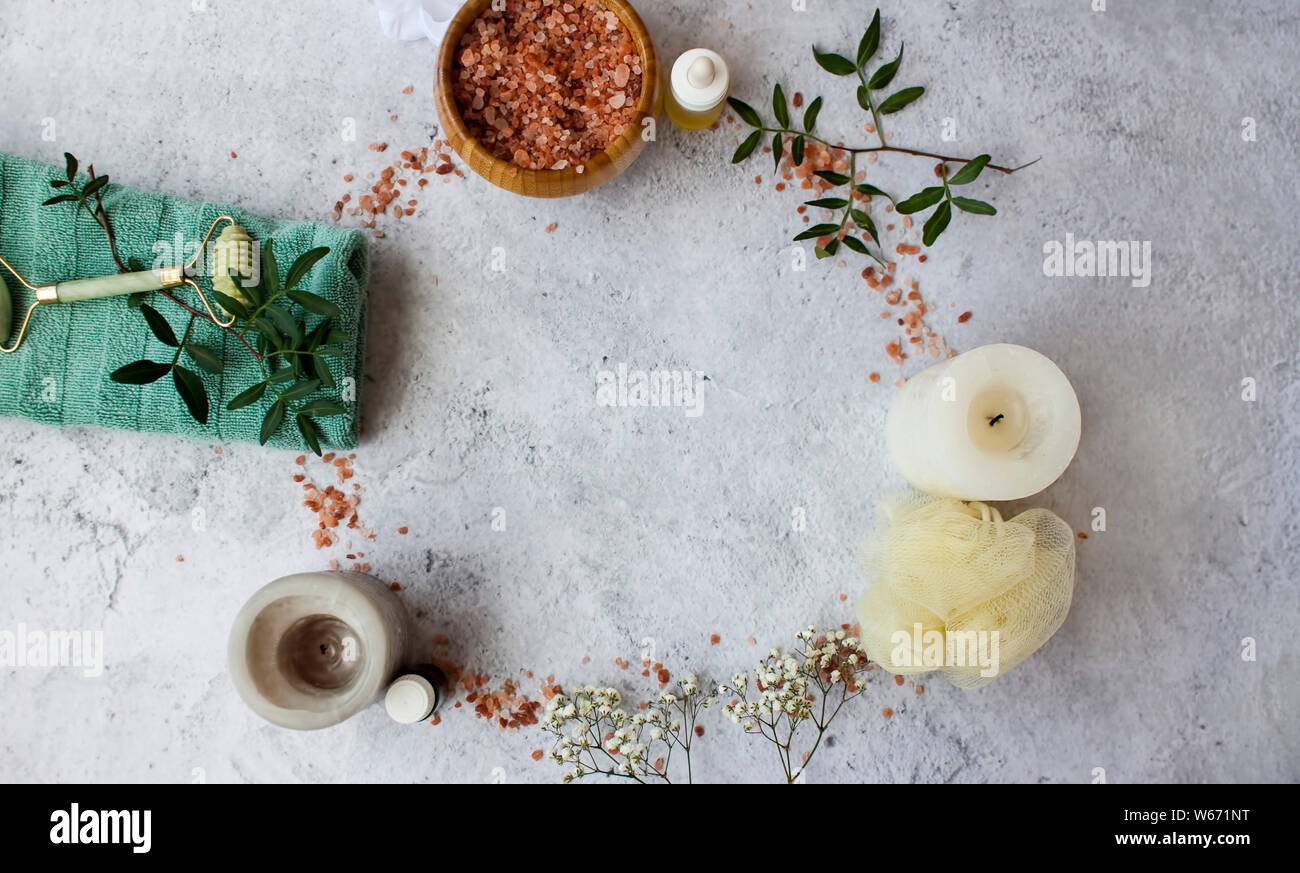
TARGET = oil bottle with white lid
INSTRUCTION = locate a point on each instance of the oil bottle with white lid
(698, 84)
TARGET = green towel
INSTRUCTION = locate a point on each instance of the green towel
(60, 374)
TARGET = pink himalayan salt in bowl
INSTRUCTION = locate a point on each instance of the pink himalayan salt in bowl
(548, 98)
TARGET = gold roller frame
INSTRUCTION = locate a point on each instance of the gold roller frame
(98, 287)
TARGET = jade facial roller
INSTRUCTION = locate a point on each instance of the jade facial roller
(232, 251)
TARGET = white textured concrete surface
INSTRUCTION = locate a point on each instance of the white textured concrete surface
(631, 524)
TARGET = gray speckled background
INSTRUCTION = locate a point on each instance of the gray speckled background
(627, 524)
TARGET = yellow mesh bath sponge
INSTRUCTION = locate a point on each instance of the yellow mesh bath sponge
(955, 587)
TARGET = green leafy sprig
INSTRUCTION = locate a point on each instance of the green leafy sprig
(852, 217)
(88, 197)
(274, 327)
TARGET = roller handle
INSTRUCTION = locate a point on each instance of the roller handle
(118, 283)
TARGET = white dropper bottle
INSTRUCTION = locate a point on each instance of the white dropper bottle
(697, 89)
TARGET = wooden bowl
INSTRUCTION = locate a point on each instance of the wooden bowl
(598, 169)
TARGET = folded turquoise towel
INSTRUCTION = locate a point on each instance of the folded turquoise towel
(60, 374)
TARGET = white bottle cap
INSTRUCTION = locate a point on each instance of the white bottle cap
(700, 80)
(410, 699)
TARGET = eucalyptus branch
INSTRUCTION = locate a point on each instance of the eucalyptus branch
(833, 234)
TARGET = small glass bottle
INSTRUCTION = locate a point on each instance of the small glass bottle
(698, 85)
(415, 694)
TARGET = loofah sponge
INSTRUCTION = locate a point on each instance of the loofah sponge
(232, 252)
(954, 587)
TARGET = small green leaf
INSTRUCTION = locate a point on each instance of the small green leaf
(94, 185)
(135, 265)
(159, 326)
(862, 220)
(302, 266)
(833, 178)
(139, 297)
(205, 357)
(936, 223)
(332, 351)
(977, 207)
(267, 329)
(885, 74)
(254, 291)
(818, 230)
(338, 335)
(283, 320)
(247, 397)
(747, 147)
(71, 165)
(322, 368)
(811, 113)
(746, 112)
(270, 270)
(299, 390)
(191, 389)
(779, 107)
(279, 377)
(796, 151)
(970, 172)
(864, 98)
(856, 244)
(831, 248)
(870, 41)
(828, 203)
(923, 200)
(140, 373)
(837, 65)
(231, 305)
(778, 149)
(307, 428)
(899, 99)
(323, 408)
(314, 303)
(59, 183)
(318, 335)
(271, 423)
(60, 198)
(871, 191)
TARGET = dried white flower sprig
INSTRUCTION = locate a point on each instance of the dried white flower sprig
(595, 735)
(793, 689)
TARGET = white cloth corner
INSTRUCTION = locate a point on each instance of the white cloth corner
(416, 19)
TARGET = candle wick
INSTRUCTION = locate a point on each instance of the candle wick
(995, 419)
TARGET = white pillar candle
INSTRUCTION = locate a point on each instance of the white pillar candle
(311, 650)
(1000, 422)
